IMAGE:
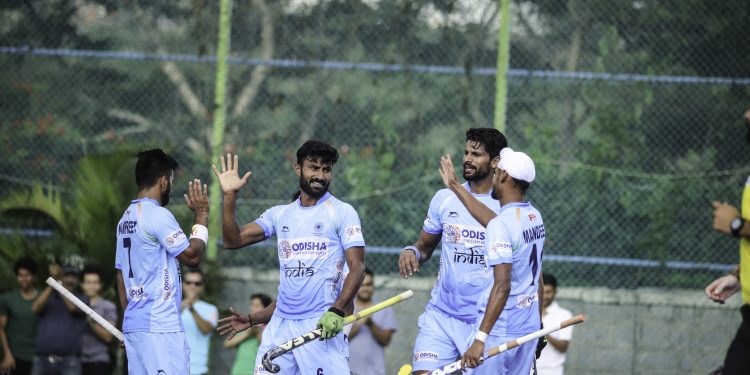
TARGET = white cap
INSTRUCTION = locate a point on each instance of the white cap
(517, 164)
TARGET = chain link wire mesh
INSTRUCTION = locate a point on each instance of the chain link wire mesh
(631, 111)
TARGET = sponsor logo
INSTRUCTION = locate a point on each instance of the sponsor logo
(532, 217)
(339, 275)
(472, 255)
(176, 237)
(453, 214)
(285, 228)
(463, 235)
(303, 248)
(166, 289)
(318, 227)
(354, 231)
(136, 293)
(501, 250)
(298, 270)
(426, 356)
(524, 301)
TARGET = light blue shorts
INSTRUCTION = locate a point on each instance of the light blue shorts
(441, 340)
(157, 353)
(516, 361)
(327, 357)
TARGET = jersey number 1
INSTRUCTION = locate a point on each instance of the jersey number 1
(534, 264)
(126, 244)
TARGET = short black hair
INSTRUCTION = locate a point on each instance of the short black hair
(195, 270)
(369, 272)
(549, 279)
(151, 166)
(313, 149)
(265, 299)
(27, 264)
(92, 269)
(492, 140)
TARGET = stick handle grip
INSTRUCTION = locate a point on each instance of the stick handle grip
(72, 298)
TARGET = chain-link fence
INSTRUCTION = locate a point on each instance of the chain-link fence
(631, 110)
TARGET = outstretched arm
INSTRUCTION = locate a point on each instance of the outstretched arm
(477, 209)
(231, 183)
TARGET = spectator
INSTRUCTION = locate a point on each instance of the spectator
(60, 326)
(369, 336)
(553, 356)
(247, 341)
(199, 319)
(17, 323)
(95, 357)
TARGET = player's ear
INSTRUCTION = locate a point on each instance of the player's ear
(494, 162)
(164, 183)
(298, 169)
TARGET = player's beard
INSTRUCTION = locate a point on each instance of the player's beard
(306, 186)
(495, 194)
(479, 172)
(166, 195)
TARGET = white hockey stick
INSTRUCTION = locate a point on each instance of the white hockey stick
(455, 366)
(72, 298)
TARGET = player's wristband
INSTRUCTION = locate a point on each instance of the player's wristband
(200, 232)
(415, 250)
(481, 336)
(336, 311)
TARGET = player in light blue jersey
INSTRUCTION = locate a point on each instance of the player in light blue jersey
(317, 236)
(515, 242)
(150, 244)
(447, 323)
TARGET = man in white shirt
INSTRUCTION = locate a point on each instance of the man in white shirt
(553, 356)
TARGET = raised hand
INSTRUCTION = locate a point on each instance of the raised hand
(447, 172)
(233, 324)
(229, 178)
(197, 197)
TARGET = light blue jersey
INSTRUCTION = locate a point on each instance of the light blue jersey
(463, 270)
(148, 241)
(516, 236)
(311, 244)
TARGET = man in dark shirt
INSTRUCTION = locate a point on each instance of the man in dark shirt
(17, 323)
(60, 327)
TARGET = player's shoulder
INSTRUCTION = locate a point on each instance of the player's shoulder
(339, 204)
(441, 196)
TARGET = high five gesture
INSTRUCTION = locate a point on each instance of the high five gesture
(229, 177)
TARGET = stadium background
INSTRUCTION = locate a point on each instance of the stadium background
(631, 110)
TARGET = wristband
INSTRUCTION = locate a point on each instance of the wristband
(481, 336)
(200, 232)
(336, 311)
(415, 250)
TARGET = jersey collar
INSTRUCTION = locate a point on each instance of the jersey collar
(320, 201)
(139, 200)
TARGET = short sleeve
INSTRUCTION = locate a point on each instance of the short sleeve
(110, 312)
(267, 222)
(432, 223)
(167, 231)
(388, 319)
(565, 333)
(499, 243)
(350, 228)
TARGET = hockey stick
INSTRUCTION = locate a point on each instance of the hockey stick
(72, 298)
(455, 366)
(315, 334)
